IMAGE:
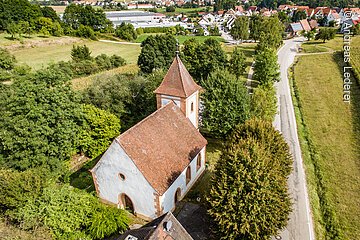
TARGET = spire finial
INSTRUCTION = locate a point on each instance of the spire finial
(177, 47)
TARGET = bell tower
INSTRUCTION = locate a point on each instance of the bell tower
(180, 87)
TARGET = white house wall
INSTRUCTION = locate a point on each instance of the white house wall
(192, 114)
(135, 186)
(167, 200)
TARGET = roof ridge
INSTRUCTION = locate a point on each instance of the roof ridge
(181, 73)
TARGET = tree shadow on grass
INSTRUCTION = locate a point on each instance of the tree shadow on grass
(354, 102)
(82, 178)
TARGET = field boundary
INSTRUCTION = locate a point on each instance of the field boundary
(326, 217)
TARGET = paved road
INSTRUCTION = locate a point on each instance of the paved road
(300, 226)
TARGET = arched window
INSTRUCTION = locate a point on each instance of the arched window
(198, 162)
(188, 175)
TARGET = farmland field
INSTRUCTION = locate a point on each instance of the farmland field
(329, 136)
(41, 56)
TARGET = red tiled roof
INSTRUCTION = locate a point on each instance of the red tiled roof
(162, 145)
(313, 24)
(177, 81)
(305, 24)
(239, 8)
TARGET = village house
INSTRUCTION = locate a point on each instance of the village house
(151, 166)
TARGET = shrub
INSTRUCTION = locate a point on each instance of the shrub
(85, 32)
(126, 31)
(107, 221)
(7, 60)
(263, 102)
(103, 62)
(80, 53)
(98, 130)
(85, 67)
(117, 61)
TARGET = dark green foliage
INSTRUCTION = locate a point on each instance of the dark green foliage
(355, 30)
(271, 33)
(69, 213)
(266, 67)
(117, 61)
(77, 15)
(49, 12)
(126, 31)
(98, 129)
(240, 28)
(226, 104)
(214, 31)
(248, 197)
(38, 121)
(103, 62)
(130, 98)
(170, 9)
(237, 63)
(264, 102)
(80, 53)
(157, 52)
(199, 31)
(255, 26)
(16, 10)
(18, 187)
(7, 60)
(225, 4)
(299, 15)
(85, 32)
(325, 34)
(201, 59)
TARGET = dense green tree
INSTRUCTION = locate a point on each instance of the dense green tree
(264, 102)
(170, 9)
(16, 10)
(85, 32)
(76, 15)
(284, 17)
(80, 53)
(255, 26)
(355, 30)
(203, 58)
(248, 197)
(237, 63)
(271, 33)
(49, 12)
(309, 34)
(224, 4)
(299, 15)
(126, 31)
(99, 127)
(266, 67)
(226, 103)
(130, 98)
(157, 52)
(240, 28)
(39, 121)
(325, 34)
(199, 31)
(7, 60)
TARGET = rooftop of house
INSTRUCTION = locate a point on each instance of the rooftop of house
(164, 227)
(305, 25)
(296, 27)
(162, 145)
(177, 81)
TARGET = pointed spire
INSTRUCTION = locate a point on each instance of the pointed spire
(177, 81)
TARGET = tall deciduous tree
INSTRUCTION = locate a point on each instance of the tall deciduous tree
(271, 33)
(237, 63)
(39, 121)
(264, 102)
(226, 103)
(266, 67)
(248, 197)
(326, 34)
(157, 52)
(255, 26)
(240, 28)
(126, 31)
(201, 59)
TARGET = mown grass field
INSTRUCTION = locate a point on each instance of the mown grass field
(41, 56)
(329, 136)
(315, 46)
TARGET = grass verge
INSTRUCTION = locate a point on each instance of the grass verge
(328, 130)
